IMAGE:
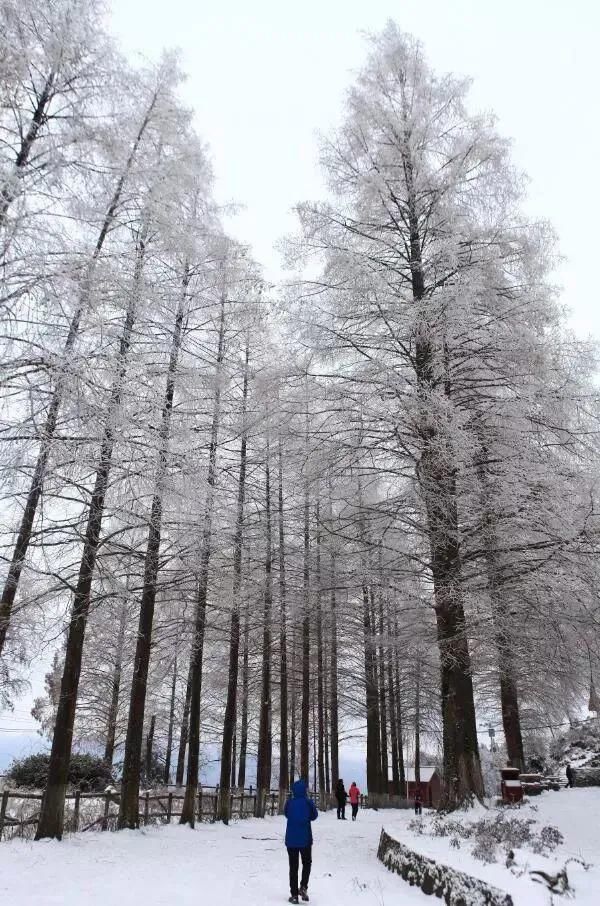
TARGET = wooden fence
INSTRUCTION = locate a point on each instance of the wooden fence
(99, 811)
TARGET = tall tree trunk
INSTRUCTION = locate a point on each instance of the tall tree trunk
(11, 584)
(509, 695)
(188, 810)
(320, 699)
(269, 767)
(396, 784)
(149, 750)
(314, 746)
(113, 708)
(233, 759)
(305, 710)
(375, 680)
(234, 632)
(437, 480)
(293, 707)
(326, 721)
(183, 735)
(333, 667)
(284, 777)
(130, 786)
(509, 699)
(263, 764)
(418, 723)
(53, 805)
(373, 759)
(382, 695)
(167, 774)
(462, 769)
(398, 712)
(244, 715)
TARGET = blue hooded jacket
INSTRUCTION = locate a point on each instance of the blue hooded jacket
(299, 811)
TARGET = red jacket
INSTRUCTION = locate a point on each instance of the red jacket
(354, 794)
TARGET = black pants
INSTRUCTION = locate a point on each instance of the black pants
(418, 808)
(341, 811)
(354, 810)
(294, 854)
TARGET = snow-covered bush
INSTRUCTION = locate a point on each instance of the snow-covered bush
(86, 773)
(493, 837)
(578, 745)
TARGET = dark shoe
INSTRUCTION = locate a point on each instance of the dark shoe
(304, 894)
(293, 900)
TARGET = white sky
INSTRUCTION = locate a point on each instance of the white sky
(265, 75)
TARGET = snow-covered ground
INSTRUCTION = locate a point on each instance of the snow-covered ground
(576, 814)
(214, 865)
(247, 862)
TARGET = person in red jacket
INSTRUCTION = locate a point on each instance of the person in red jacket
(354, 796)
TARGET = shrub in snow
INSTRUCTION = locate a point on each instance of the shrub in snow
(86, 773)
(490, 835)
(550, 838)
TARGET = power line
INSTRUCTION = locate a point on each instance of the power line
(565, 723)
(18, 720)
(18, 729)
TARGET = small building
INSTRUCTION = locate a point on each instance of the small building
(430, 786)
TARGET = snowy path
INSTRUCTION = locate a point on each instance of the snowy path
(173, 866)
(247, 862)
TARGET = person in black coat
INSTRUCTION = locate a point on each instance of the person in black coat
(570, 777)
(341, 795)
(418, 802)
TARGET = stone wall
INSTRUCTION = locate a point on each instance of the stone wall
(455, 888)
(587, 775)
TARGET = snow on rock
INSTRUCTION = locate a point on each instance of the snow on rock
(455, 887)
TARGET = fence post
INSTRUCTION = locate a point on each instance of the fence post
(170, 807)
(200, 804)
(106, 810)
(42, 797)
(146, 806)
(76, 811)
(3, 808)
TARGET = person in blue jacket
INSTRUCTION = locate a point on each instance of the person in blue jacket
(299, 811)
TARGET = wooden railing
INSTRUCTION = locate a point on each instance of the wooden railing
(87, 811)
(99, 811)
